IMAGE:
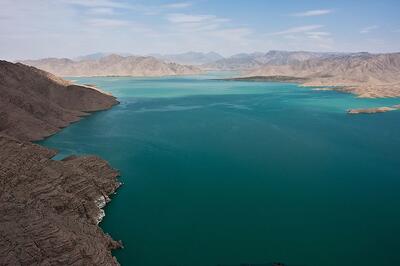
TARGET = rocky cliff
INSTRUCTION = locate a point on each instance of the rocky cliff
(49, 210)
(113, 65)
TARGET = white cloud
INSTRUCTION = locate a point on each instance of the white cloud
(96, 3)
(304, 36)
(103, 22)
(177, 5)
(101, 11)
(185, 18)
(196, 23)
(311, 13)
(69, 28)
(299, 29)
(317, 33)
(369, 29)
(321, 38)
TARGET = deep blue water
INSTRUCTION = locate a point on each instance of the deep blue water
(224, 173)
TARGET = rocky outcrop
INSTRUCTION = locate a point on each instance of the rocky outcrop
(49, 210)
(113, 65)
(35, 104)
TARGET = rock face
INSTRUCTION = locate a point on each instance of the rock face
(112, 65)
(363, 74)
(49, 210)
(35, 104)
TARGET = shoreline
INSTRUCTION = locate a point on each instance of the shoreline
(58, 203)
(352, 89)
(102, 201)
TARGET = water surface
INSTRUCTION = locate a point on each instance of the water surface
(225, 173)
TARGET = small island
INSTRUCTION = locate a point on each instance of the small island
(375, 110)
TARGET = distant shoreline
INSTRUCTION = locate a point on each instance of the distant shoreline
(268, 79)
(303, 83)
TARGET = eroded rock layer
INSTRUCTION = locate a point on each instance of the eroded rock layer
(48, 210)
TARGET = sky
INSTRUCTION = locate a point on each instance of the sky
(31, 29)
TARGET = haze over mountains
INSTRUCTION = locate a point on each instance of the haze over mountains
(246, 61)
(365, 74)
(112, 65)
(190, 58)
(125, 64)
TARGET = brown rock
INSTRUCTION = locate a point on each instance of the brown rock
(49, 210)
(35, 104)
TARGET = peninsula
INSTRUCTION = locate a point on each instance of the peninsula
(363, 74)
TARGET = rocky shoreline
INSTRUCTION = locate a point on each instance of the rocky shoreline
(50, 210)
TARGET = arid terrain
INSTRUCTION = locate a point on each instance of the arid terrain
(365, 75)
(112, 65)
(49, 210)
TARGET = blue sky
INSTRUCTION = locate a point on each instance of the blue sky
(68, 28)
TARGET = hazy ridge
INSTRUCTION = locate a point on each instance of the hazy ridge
(112, 65)
(366, 75)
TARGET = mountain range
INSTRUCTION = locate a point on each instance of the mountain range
(247, 61)
(124, 64)
(112, 65)
(190, 58)
(364, 74)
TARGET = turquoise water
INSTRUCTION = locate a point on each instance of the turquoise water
(228, 173)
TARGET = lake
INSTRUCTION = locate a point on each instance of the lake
(229, 173)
